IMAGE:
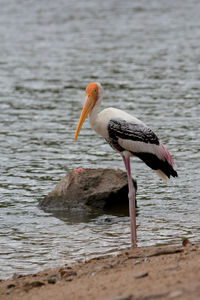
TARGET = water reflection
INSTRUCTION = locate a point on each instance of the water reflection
(78, 216)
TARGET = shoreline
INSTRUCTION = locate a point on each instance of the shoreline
(159, 272)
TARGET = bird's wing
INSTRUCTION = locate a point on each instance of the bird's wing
(133, 137)
(122, 130)
(142, 142)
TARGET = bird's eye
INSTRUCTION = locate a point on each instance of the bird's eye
(95, 90)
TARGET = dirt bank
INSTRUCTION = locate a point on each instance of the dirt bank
(167, 272)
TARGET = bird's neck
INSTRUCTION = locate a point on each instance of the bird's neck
(94, 116)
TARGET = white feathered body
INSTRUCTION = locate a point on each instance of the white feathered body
(131, 137)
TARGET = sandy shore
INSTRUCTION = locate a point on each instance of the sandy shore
(167, 272)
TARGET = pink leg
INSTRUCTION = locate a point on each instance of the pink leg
(131, 196)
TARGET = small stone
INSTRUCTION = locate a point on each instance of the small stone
(68, 279)
(65, 274)
(141, 275)
(176, 293)
(137, 262)
(29, 285)
(186, 242)
(62, 273)
(16, 276)
(37, 283)
(64, 270)
(11, 285)
(52, 280)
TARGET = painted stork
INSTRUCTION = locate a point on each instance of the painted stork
(128, 136)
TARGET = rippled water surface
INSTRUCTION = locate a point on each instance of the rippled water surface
(146, 55)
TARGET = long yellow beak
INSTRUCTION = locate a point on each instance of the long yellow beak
(87, 107)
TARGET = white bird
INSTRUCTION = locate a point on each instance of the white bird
(128, 136)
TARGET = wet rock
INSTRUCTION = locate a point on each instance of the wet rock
(84, 189)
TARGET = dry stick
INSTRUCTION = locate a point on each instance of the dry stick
(156, 253)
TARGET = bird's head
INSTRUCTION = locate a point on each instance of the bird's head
(93, 93)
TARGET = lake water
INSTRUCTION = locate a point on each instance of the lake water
(146, 55)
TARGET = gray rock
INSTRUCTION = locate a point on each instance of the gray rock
(141, 274)
(83, 189)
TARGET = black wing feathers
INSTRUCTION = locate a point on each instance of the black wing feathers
(155, 163)
(138, 132)
(130, 131)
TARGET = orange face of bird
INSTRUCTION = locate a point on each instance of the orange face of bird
(92, 91)
(90, 101)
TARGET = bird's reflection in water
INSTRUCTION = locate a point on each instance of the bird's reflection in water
(106, 215)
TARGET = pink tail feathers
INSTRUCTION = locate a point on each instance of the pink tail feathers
(167, 166)
(167, 156)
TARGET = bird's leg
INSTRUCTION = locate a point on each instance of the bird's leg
(131, 196)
